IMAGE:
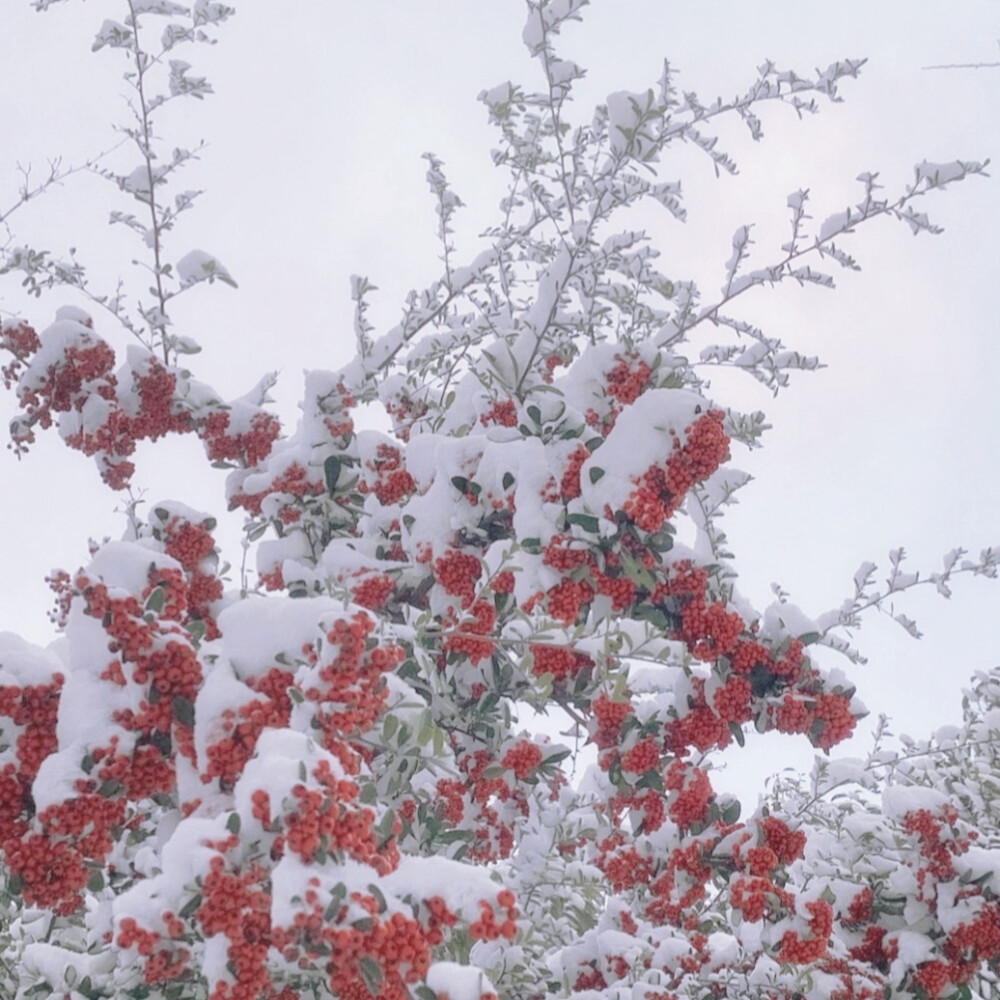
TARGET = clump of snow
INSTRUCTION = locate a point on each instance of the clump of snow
(197, 265)
(22, 663)
(625, 115)
(898, 800)
(458, 982)
(221, 695)
(126, 565)
(642, 437)
(914, 948)
(784, 619)
(262, 632)
(462, 887)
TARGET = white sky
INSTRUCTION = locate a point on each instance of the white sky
(314, 173)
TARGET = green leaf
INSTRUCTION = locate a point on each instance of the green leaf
(595, 473)
(95, 883)
(183, 710)
(534, 413)
(156, 600)
(808, 638)
(190, 907)
(257, 531)
(386, 825)
(162, 513)
(655, 616)
(379, 898)
(586, 521)
(465, 487)
(615, 772)
(426, 731)
(650, 779)
(233, 823)
(331, 473)
(337, 896)
(731, 811)
(452, 836)
(507, 481)
(661, 541)
(762, 681)
(371, 973)
(737, 730)
(638, 573)
(196, 629)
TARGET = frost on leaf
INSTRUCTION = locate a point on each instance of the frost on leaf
(197, 265)
(112, 34)
(164, 7)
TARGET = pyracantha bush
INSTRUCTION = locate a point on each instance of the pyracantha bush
(331, 785)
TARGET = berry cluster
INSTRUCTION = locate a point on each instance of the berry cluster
(20, 340)
(389, 480)
(193, 546)
(622, 864)
(67, 374)
(326, 819)
(563, 663)
(348, 688)
(468, 637)
(247, 447)
(290, 488)
(503, 413)
(238, 734)
(373, 590)
(626, 381)
(660, 490)
(458, 573)
(362, 950)
(523, 758)
(486, 928)
(154, 676)
(404, 411)
(569, 484)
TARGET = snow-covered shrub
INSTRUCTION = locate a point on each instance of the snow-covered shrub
(332, 785)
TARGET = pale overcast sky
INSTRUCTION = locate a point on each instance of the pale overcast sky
(313, 172)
